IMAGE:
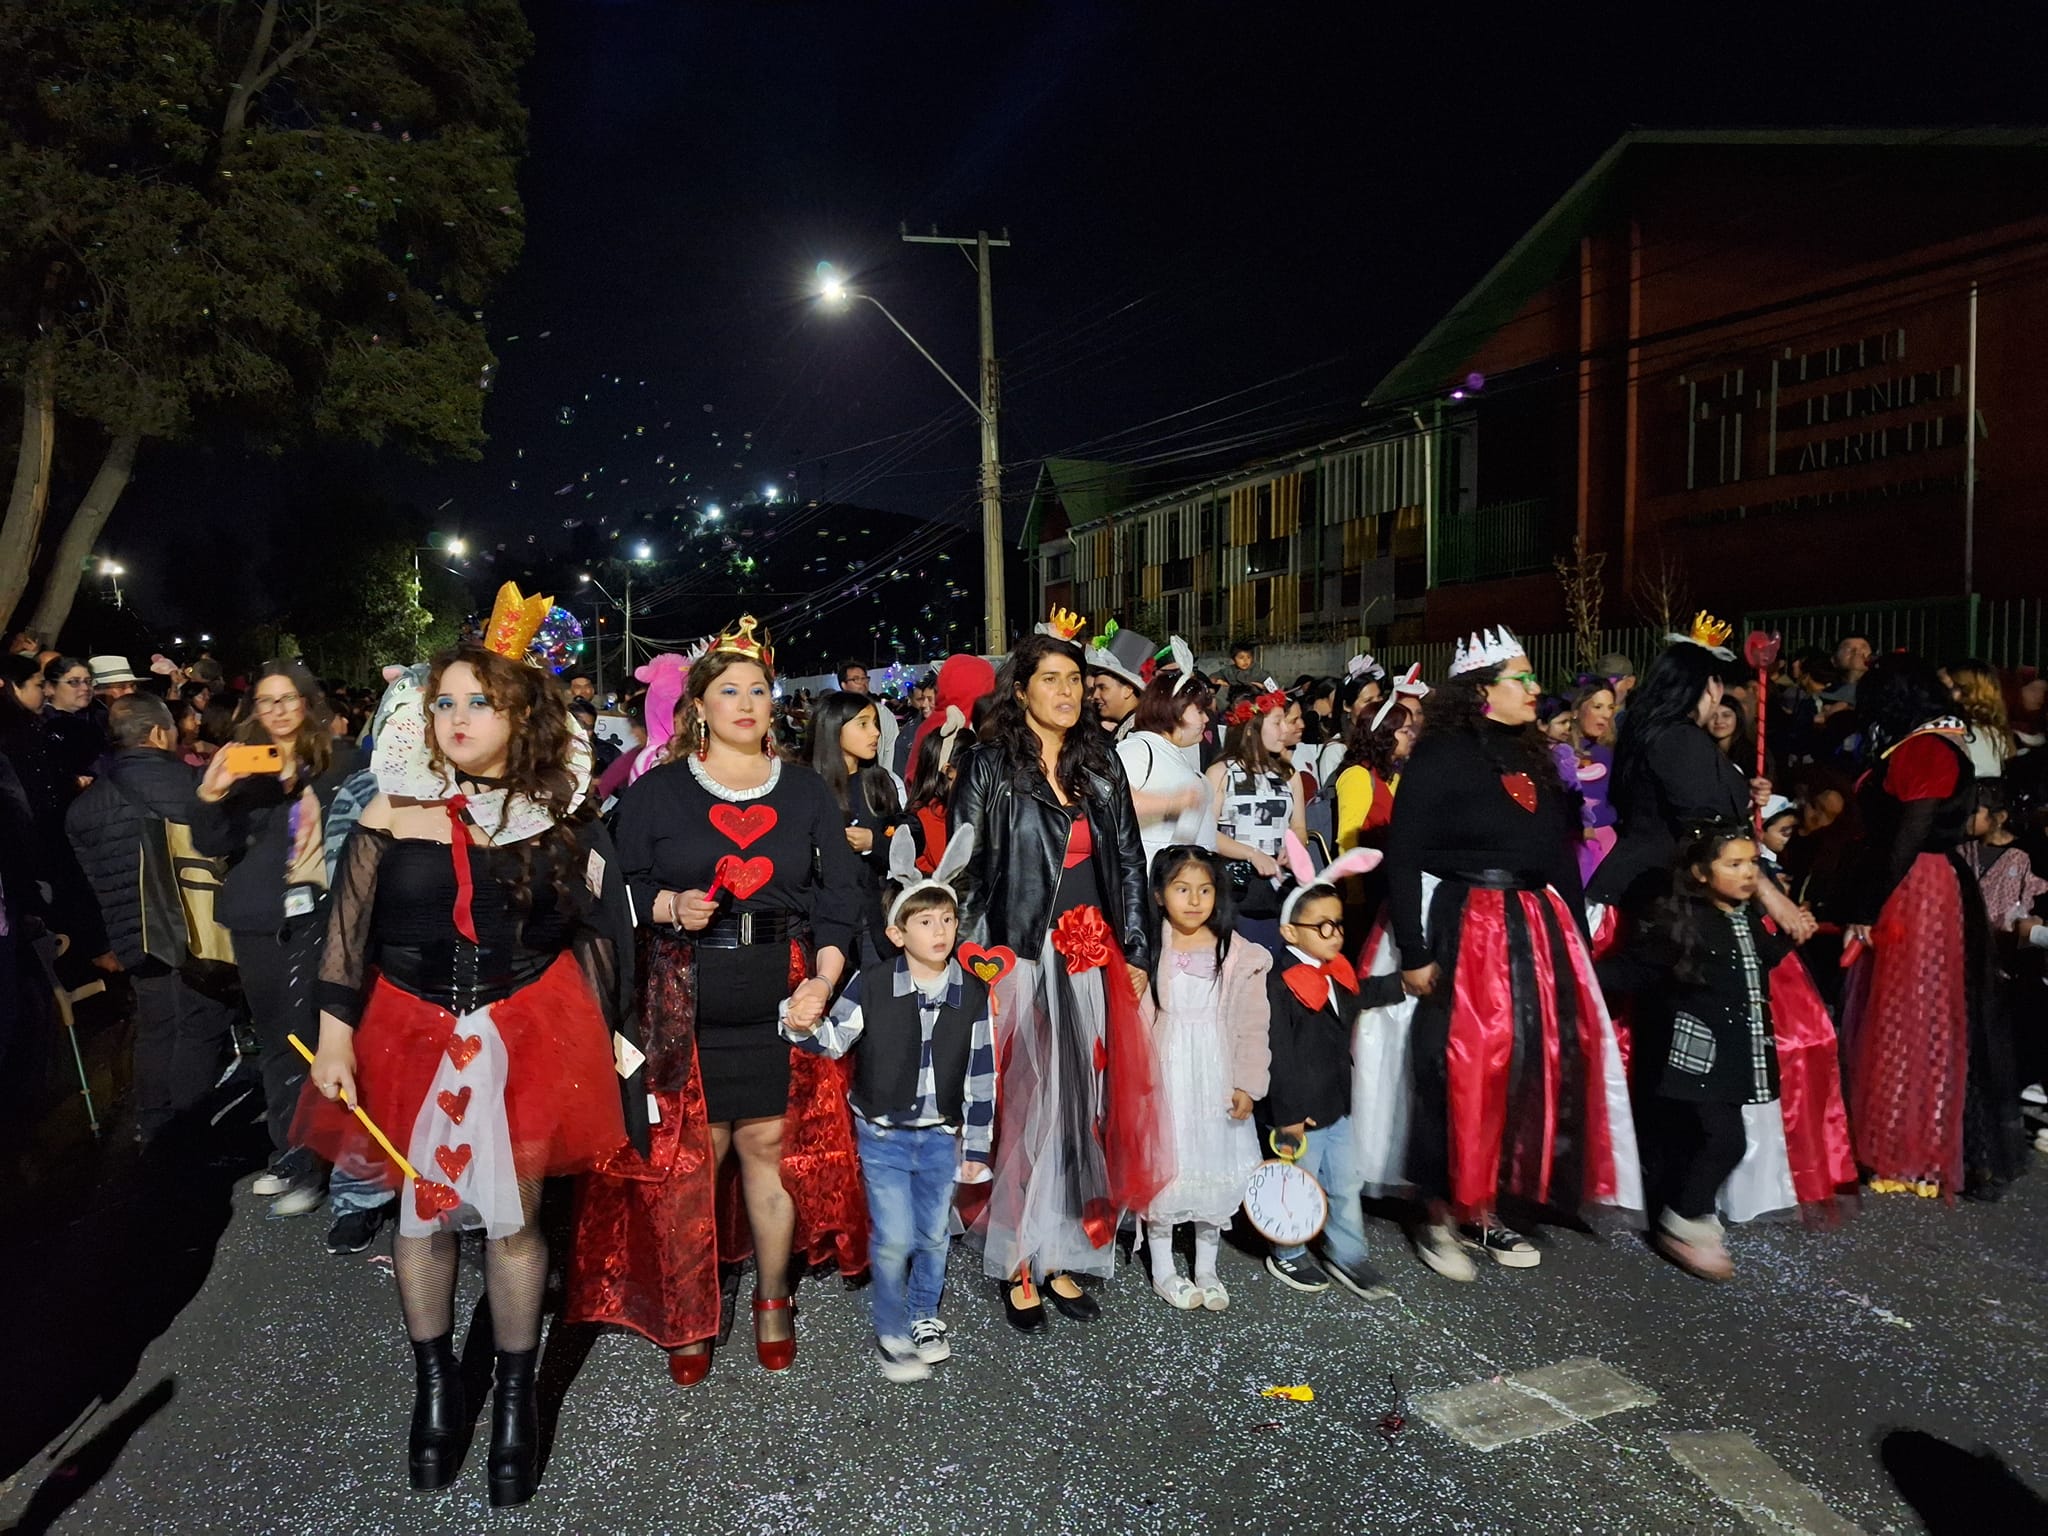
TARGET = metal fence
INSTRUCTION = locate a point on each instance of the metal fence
(2007, 632)
(1554, 656)
(1509, 538)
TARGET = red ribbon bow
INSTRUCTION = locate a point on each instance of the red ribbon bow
(458, 848)
(1306, 981)
(1083, 938)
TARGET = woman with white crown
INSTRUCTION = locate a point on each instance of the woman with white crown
(468, 993)
(1516, 1089)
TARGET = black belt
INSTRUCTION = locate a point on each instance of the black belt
(1498, 880)
(746, 928)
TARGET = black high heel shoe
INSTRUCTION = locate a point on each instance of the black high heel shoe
(1082, 1308)
(515, 1429)
(433, 1448)
(1027, 1319)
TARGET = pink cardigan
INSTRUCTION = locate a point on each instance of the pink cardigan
(1246, 1013)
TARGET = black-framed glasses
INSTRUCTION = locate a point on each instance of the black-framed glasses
(1328, 928)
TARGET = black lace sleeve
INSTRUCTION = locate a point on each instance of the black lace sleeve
(347, 956)
(604, 946)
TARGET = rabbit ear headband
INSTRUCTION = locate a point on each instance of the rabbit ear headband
(1184, 658)
(1308, 883)
(1410, 686)
(903, 867)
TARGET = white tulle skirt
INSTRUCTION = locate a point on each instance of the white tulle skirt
(1213, 1154)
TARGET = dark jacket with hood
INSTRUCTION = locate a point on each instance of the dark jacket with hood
(107, 824)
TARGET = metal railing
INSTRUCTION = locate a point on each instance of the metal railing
(1510, 538)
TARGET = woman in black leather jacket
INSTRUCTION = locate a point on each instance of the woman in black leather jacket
(1058, 876)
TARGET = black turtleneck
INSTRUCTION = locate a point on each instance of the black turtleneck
(1455, 816)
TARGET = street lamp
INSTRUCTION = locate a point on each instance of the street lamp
(834, 292)
(113, 571)
(641, 551)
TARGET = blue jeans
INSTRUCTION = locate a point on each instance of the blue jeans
(346, 1196)
(1331, 1157)
(909, 1177)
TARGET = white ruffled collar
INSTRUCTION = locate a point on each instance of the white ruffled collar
(723, 792)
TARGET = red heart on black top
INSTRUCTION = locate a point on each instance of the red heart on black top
(744, 824)
(743, 877)
(1521, 789)
(453, 1159)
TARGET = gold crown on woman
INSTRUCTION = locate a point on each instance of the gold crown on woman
(745, 638)
(515, 620)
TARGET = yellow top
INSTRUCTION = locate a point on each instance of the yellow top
(1354, 804)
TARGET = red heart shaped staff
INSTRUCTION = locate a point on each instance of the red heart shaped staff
(1760, 650)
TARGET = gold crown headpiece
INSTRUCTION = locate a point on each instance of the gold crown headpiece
(1063, 624)
(745, 638)
(1710, 631)
(515, 620)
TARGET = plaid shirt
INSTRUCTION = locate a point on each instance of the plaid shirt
(840, 1030)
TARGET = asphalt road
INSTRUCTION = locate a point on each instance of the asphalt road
(176, 1362)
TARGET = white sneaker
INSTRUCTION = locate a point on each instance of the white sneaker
(1439, 1248)
(899, 1362)
(307, 1193)
(928, 1338)
(1175, 1290)
(1214, 1297)
(270, 1182)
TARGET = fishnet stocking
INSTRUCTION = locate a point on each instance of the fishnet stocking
(515, 1276)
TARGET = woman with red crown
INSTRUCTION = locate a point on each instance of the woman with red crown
(1516, 1086)
(748, 899)
(1057, 884)
(470, 971)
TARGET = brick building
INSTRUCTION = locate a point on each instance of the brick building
(1739, 358)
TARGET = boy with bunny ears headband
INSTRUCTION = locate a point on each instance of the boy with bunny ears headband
(923, 1097)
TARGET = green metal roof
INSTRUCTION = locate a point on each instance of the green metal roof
(1535, 259)
(1090, 489)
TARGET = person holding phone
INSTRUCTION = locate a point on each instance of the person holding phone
(260, 806)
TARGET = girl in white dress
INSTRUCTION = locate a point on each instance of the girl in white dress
(1206, 1012)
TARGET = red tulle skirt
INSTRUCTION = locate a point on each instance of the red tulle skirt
(1810, 1088)
(652, 1232)
(561, 1093)
(1906, 1024)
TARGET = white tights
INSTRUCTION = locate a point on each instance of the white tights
(1208, 1238)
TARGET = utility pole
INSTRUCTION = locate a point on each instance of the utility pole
(597, 647)
(994, 617)
(628, 668)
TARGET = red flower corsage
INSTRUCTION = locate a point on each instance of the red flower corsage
(1083, 938)
(1264, 704)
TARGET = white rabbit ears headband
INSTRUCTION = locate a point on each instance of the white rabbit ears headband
(1309, 883)
(1183, 658)
(903, 867)
(1409, 686)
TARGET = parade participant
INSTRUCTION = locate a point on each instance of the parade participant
(666, 677)
(1258, 801)
(1313, 998)
(748, 900)
(266, 821)
(1365, 684)
(1516, 1073)
(933, 770)
(1932, 1104)
(846, 734)
(1119, 663)
(2012, 889)
(964, 681)
(1370, 775)
(1206, 1013)
(471, 962)
(1586, 760)
(923, 1099)
(1705, 1050)
(1058, 877)
(1980, 700)
(1173, 804)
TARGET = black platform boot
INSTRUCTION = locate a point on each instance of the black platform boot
(515, 1428)
(433, 1450)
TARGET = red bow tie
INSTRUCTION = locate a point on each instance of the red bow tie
(1307, 982)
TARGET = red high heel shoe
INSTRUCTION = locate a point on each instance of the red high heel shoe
(687, 1370)
(774, 1354)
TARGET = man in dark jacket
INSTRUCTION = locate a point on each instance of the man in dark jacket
(180, 1033)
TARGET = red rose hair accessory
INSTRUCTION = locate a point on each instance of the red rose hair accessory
(1082, 938)
(1264, 704)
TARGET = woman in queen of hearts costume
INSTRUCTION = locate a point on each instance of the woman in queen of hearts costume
(748, 899)
(468, 991)
(1516, 1088)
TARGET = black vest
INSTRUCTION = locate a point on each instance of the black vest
(885, 1060)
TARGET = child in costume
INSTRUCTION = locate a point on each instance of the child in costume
(923, 1098)
(1206, 1011)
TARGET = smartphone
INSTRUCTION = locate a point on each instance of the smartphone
(243, 760)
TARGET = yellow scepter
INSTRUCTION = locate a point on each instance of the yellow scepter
(368, 1124)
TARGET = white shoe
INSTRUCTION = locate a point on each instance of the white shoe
(1214, 1297)
(928, 1338)
(1439, 1248)
(2041, 1141)
(270, 1182)
(1175, 1290)
(899, 1362)
(307, 1193)
(2034, 1093)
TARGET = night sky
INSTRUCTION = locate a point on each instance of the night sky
(1229, 222)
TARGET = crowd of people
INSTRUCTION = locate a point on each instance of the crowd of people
(1074, 945)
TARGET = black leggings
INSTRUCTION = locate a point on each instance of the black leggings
(277, 979)
(1695, 1146)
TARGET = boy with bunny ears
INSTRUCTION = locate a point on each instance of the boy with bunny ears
(923, 1097)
